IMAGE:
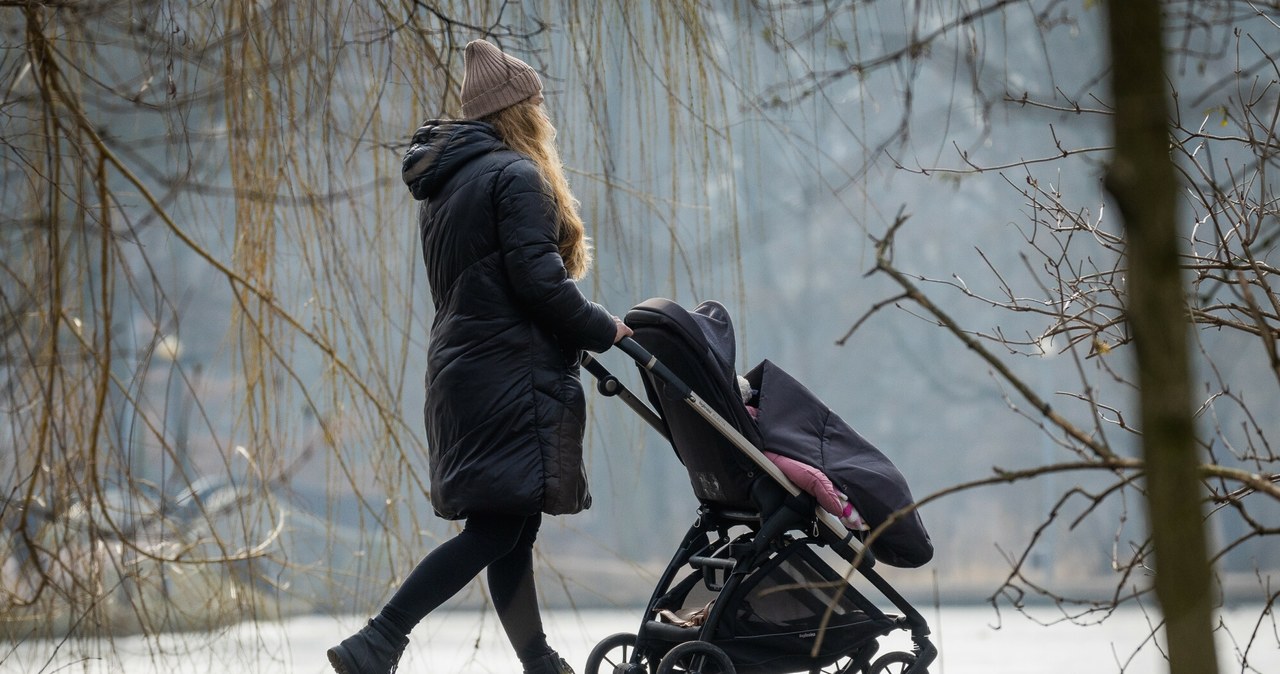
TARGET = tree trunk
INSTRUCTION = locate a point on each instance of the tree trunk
(1141, 179)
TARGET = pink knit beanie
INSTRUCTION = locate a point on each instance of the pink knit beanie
(493, 80)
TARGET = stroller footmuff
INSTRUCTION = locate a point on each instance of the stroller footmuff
(747, 589)
(793, 422)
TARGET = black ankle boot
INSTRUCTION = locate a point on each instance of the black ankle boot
(551, 663)
(373, 650)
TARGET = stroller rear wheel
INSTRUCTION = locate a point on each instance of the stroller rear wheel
(840, 666)
(896, 662)
(614, 655)
(696, 657)
(856, 663)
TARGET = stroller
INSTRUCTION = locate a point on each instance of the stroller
(747, 590)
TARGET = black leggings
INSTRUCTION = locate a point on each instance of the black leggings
(503, 544)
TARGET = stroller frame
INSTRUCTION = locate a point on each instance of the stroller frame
(723, 563)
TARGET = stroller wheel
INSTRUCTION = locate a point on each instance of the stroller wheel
(696, 657)
(841, 666)
(617, 654)
(896, 662)
(856, 663)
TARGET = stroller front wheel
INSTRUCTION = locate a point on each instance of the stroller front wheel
(897, 662)
(617, 654)
(696, 657)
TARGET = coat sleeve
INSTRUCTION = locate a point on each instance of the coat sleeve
(531, 256)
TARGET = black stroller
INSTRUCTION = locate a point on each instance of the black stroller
(747, 590)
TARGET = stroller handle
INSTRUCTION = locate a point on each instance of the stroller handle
(647, 361)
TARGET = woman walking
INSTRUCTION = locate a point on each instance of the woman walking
(503, 246)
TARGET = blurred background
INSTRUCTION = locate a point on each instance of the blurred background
(213, 318)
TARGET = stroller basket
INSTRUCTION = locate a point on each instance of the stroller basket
(778, 613)
(746, 590)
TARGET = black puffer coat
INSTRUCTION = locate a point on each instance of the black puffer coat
(505, 409)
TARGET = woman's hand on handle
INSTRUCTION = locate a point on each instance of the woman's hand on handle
(622, 330)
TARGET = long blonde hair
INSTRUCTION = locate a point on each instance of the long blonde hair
(525, 128)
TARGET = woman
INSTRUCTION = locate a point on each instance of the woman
(503, 246)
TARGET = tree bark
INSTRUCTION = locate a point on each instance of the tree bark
(1142, 181)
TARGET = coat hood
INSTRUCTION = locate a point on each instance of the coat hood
(439, 148)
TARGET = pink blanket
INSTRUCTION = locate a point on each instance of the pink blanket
(813, 481)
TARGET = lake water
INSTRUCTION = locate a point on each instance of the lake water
(971, 640)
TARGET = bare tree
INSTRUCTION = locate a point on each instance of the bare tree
(1195, 205)
(1141, 178)
(151, 398)
(209, 320)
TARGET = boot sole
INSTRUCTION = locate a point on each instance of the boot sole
(337, 662)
